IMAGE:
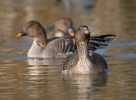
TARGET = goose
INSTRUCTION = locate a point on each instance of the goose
(83, 62)
(63, 27)
(56, 47)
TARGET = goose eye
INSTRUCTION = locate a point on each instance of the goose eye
(24, 30)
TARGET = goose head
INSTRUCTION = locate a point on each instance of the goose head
(82, 35)
(64, 25)
(32, 29)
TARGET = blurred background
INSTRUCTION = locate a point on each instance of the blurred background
(21, 81)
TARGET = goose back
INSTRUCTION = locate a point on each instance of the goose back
(59, 47)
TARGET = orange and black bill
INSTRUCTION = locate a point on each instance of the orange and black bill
(71, 32)
(20, 34)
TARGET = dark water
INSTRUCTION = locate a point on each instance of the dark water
(24, 80)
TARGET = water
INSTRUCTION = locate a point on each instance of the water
(21, 79)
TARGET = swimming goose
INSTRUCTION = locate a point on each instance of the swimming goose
(57, 47)
(43, 47)
(82, 62)
(62, 27)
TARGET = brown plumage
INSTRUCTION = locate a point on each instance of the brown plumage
(63, 26)
(56, 47)
(81, 62)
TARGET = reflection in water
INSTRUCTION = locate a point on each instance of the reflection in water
(83, 86)
(41, 81)
(46, 61)
(41, 73)
(35, 79)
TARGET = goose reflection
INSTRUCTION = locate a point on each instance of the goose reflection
(40, 67)
(46, 61)
(35, 78)
(41, 74)
(83, 86)
(39, 80)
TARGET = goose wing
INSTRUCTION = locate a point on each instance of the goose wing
(70, 61)
(96, 42)
(67, 44)
(62, 44)
(99, 63)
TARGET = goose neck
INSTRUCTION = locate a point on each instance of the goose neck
(83, 51)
